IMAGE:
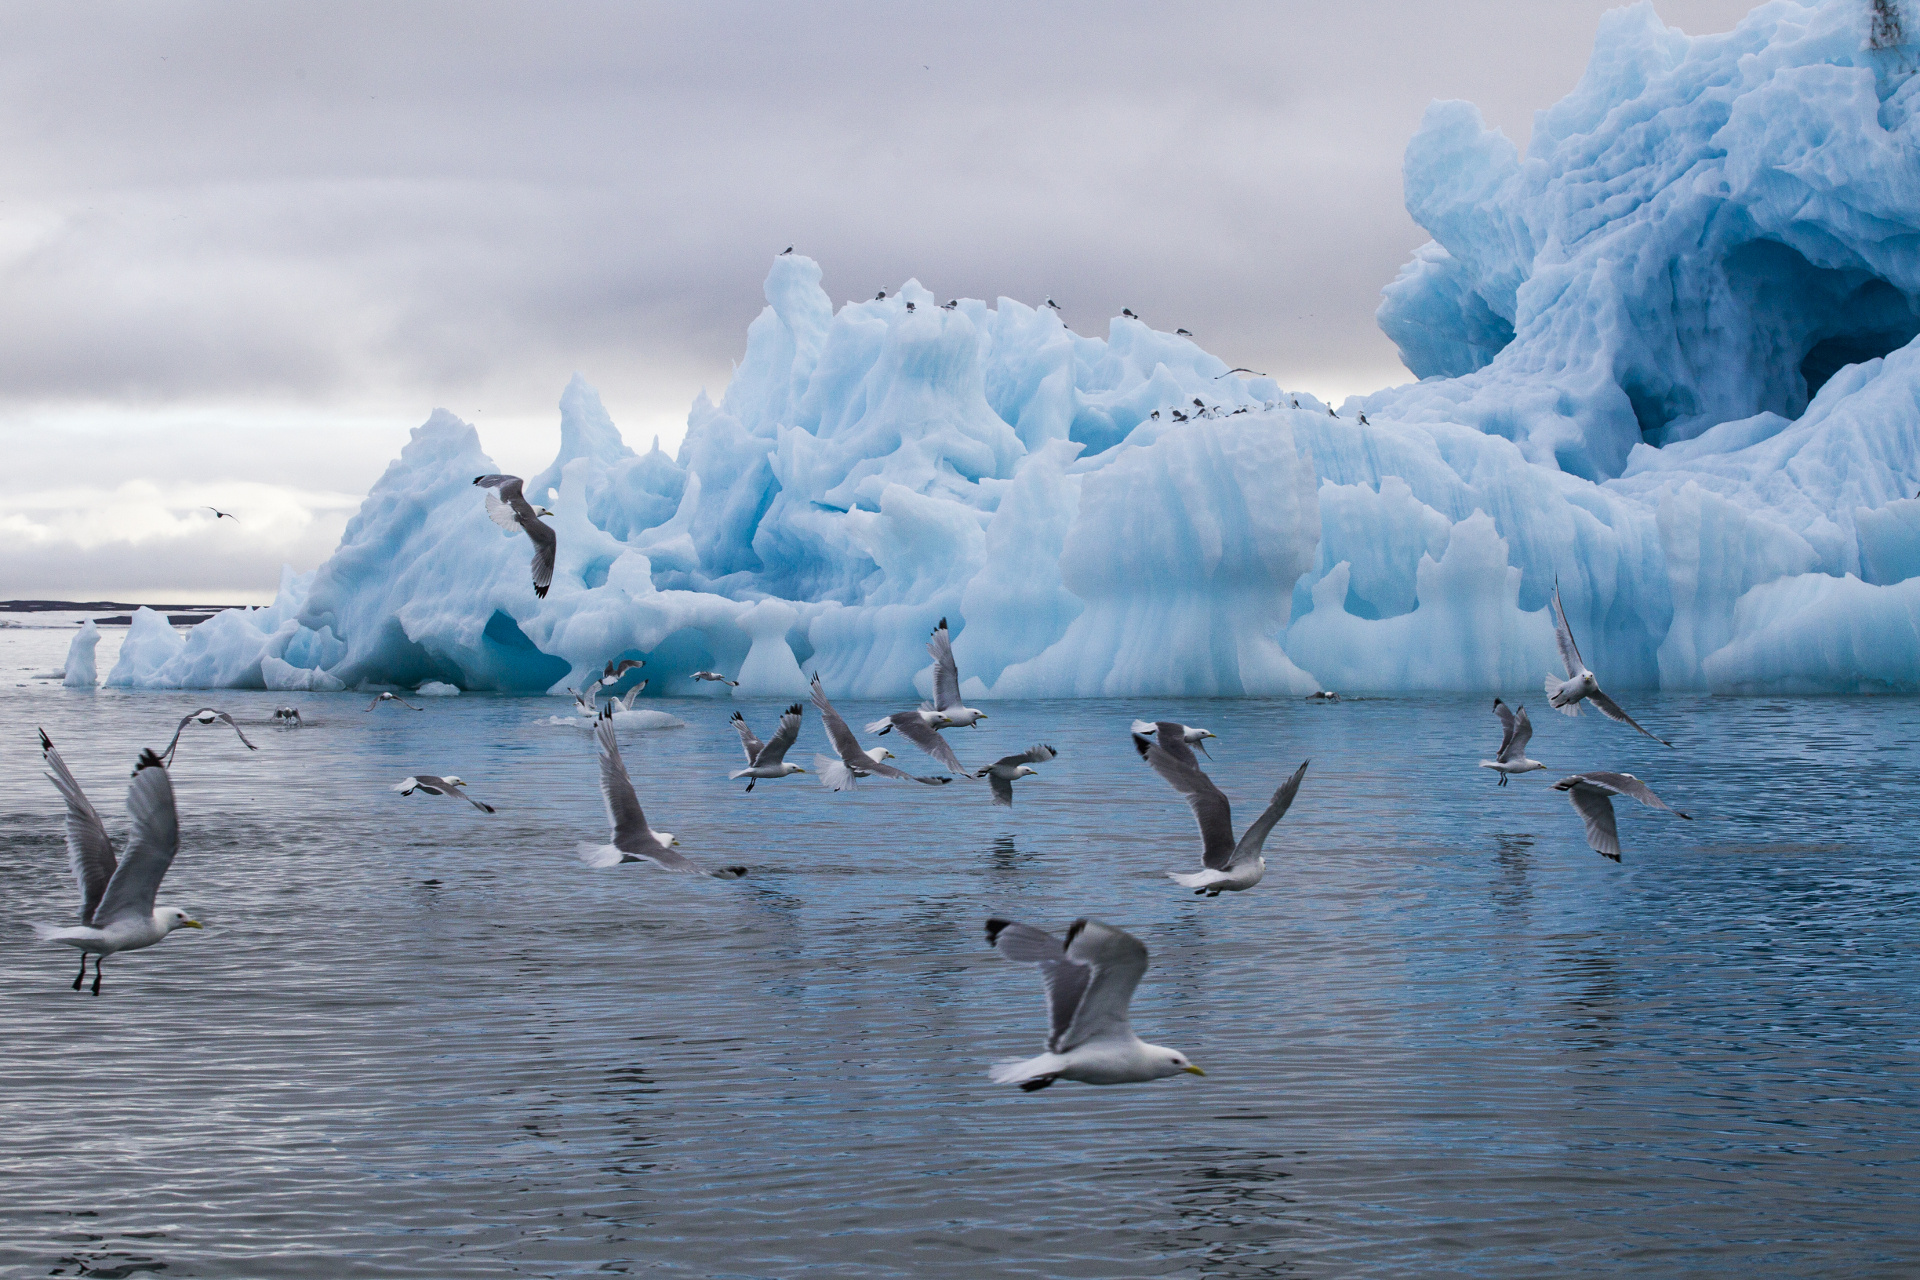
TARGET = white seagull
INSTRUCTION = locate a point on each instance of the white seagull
(1089, 984)
(768, 759)
(946, 711)
(437, 786)
(1592, 795)
(839, 775)
(385, 696)
(633, 840)
(1565, 695)
(1188, 734)
(1229, 865)
(287, 717)
(1001, 773)
(1517, 731)
(116, 898)
(508, 507)
(205, 715)
(715, 675)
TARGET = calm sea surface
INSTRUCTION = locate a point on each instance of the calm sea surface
(1442, 1038)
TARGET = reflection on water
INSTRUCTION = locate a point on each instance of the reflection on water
(1442, 1038)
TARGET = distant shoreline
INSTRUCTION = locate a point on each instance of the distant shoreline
(122, 613)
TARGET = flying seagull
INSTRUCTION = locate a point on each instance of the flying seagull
(205, 715)
(633, 840)
(287, 717)
(946, 711)
(434, 786)
(219, 515)
(839, 775)
(386, 696)
(116, 898)
(715, 675)
(508, 507)
(1228, 865)
(1242, 369)
(1323, 695)
(1565, 695)
(1516, 731)
(1001, 773)
(1188, 734)
(1089, 983)
(1592, 795)
(768, 759)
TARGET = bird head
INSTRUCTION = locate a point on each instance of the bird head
(1024, 770)
(452, 781)
(666, 839)
(799, 768)
(542, 511)
(1173, 1062)
(171, 918)
(886, 754)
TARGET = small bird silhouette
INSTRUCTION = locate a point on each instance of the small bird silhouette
(1364, 422)
(1183, 333)
(1054, 305)
(909, 306)
(219, 515)
(879, 295)
(784, 252)
(1128, 313)
(950, 304)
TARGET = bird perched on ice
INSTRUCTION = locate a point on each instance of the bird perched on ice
(1052, 305)
(909, 306)
(1183, 333)
(1177, 416)
(1128, 313)
(784, 252)
(880, 295)
(205, 715)
(768, 759)
(436, 786)
(116, 897)
(633, 840)
(839, 775)
(1188, 734)
(1001, 773)
(946, 711)
(385, 696)
(1089, 983)
(287, 717)
(1155, 415)
(950, 304)
(1566, 695)
(1592, 796)
(715, 675)
(1229, 866)
(1364, 422)
(508, 507)
(1516, 732)
(219, 515)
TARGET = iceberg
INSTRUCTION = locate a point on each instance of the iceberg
(80, 672)
(1666, 359)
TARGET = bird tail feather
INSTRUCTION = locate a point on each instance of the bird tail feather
(1019, 1070)
(834, 774)
(599, 855)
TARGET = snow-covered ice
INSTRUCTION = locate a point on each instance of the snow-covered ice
(1667, 357)
(79, 672)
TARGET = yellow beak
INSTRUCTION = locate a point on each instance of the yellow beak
(800, 768)
(192, 924)
(1193, 1070)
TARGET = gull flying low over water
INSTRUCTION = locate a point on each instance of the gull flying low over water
(633, 840)
(715, 675)
(1516, 732)
(584, 699)
(1229, 865)
(839, 775)
(1001, 773)
(116, 897)
(1089, 983)
(1592, 795)
(768, 759)
(287, 717)
(436, 786)
(508, 507)
(1565, 695)
(205, 715)
(388, 696)
(946, 711)
(1188, 734)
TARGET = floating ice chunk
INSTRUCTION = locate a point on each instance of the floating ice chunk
(437, 689)
(79, 672)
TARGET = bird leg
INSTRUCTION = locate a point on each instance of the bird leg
(83, 971)
(96, 973)
(750, 782)
(1503, 779)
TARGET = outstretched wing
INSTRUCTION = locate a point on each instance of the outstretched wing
(1254, 839)
(1563, 636)
(1522, 735)
(1066, 981)
(501, 513)
(1628, 785)
(788, 732)
(631, 834)
(1506, 730)
(748, 743)
(1117, 959)
(946, 673)
(509, 487)
(1611, 710)
(838, 734)
(1596, 810)
(89, 852)
(1002, 788)
(1173, 760)
(925, 737)
(544, 545)
(1038, 753)
(880, 768)
(150, 848)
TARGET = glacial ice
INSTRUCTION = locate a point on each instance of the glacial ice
(1666, 358)
(80, 672)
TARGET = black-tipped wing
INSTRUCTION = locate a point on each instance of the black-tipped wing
(788, 733)
(1563, 636)
(220, 716)
(1611, 710)
(1173, 760)
(1117, 959)
(1254, 839)
(150, 848)
(544, 545)
(1627, 785)
(631, 834)
(1595, 807)
(1506, 729)
(925, 737)
(89, 851)
(1066, 981)
(1038, 753)
(946, 673)
(508, 487)
(845, 745)
(748, 743)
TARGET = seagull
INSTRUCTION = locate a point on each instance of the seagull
(379, 698)
(1242, 369)
(1331, 413)
(1056, 306)
(1364, 422)
(878, 296)
(633, 840)
(784, 252)
(1565, 695)
(507, 507)
(116, 898)
(1230, 866)
(1512, 756)
(1089, 983)
(625, 701)
(439, 787)
(909, 306)
(1198, 403)
(1128, 313)
(1155, 415)
(768, 759)
(205, 715)
(1296, 402)
(1188, 734)
(584, 699)
(839, 775)
(1592, 795)
(1179, 416)
(950, 304)
(1001, 773)
(946, 711)
(219, 515)
(1323, 695)
(287, 717)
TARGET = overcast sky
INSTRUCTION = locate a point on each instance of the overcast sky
(245, 248)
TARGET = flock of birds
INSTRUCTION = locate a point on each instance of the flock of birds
(1089, 976)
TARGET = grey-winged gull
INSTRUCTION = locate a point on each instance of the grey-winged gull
(633, 840)
(1188, 734)
(1229, 865)
(1592, 795)
(388, 696)
(1566, 695)
(1089, 983)
(287, 717)
(508, 507)
(116, 897)
(716, 676)
(946, 711)
(1516, 732)
(854, 762)
(768, 759)
(205, 715)
(437, 786)
(1001, 773)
